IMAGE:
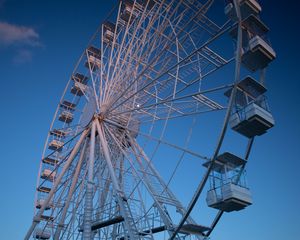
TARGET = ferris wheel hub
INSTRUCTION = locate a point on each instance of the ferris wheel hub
(103, 111)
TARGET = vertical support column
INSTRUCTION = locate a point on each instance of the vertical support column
(108, 160)
(124, 208)
(88, 207)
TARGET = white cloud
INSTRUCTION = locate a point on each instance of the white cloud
(18, 35)
(20, 39)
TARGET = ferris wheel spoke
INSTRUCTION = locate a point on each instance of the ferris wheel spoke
(105, 185)
(120, 144)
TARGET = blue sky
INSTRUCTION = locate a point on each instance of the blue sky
(40, 42)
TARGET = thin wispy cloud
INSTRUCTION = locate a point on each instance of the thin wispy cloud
(11, 34)
(21, 40)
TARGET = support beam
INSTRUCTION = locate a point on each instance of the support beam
(70, 194)
(106, 223)
(88, 207)
(37, 217)
(121, 199)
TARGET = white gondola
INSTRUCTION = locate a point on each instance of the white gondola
(66, 117)
(41, 202)
(230, 197)
(129, 10)
(247, 7)
(78, 77)
(58, 133)
(50, 161)
(191, 228)
(47, 218)
(48, 174)
(56, 145)
(93, 58)
(108, 32)
(78, 89)
(251, 116)
(44, 189)
(68, 105)
(258, 54)
(42, 234)
(230, 160)
(228, 193)
(253, 120)
(93, 62)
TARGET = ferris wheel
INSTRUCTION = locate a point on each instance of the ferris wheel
(143, 144)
